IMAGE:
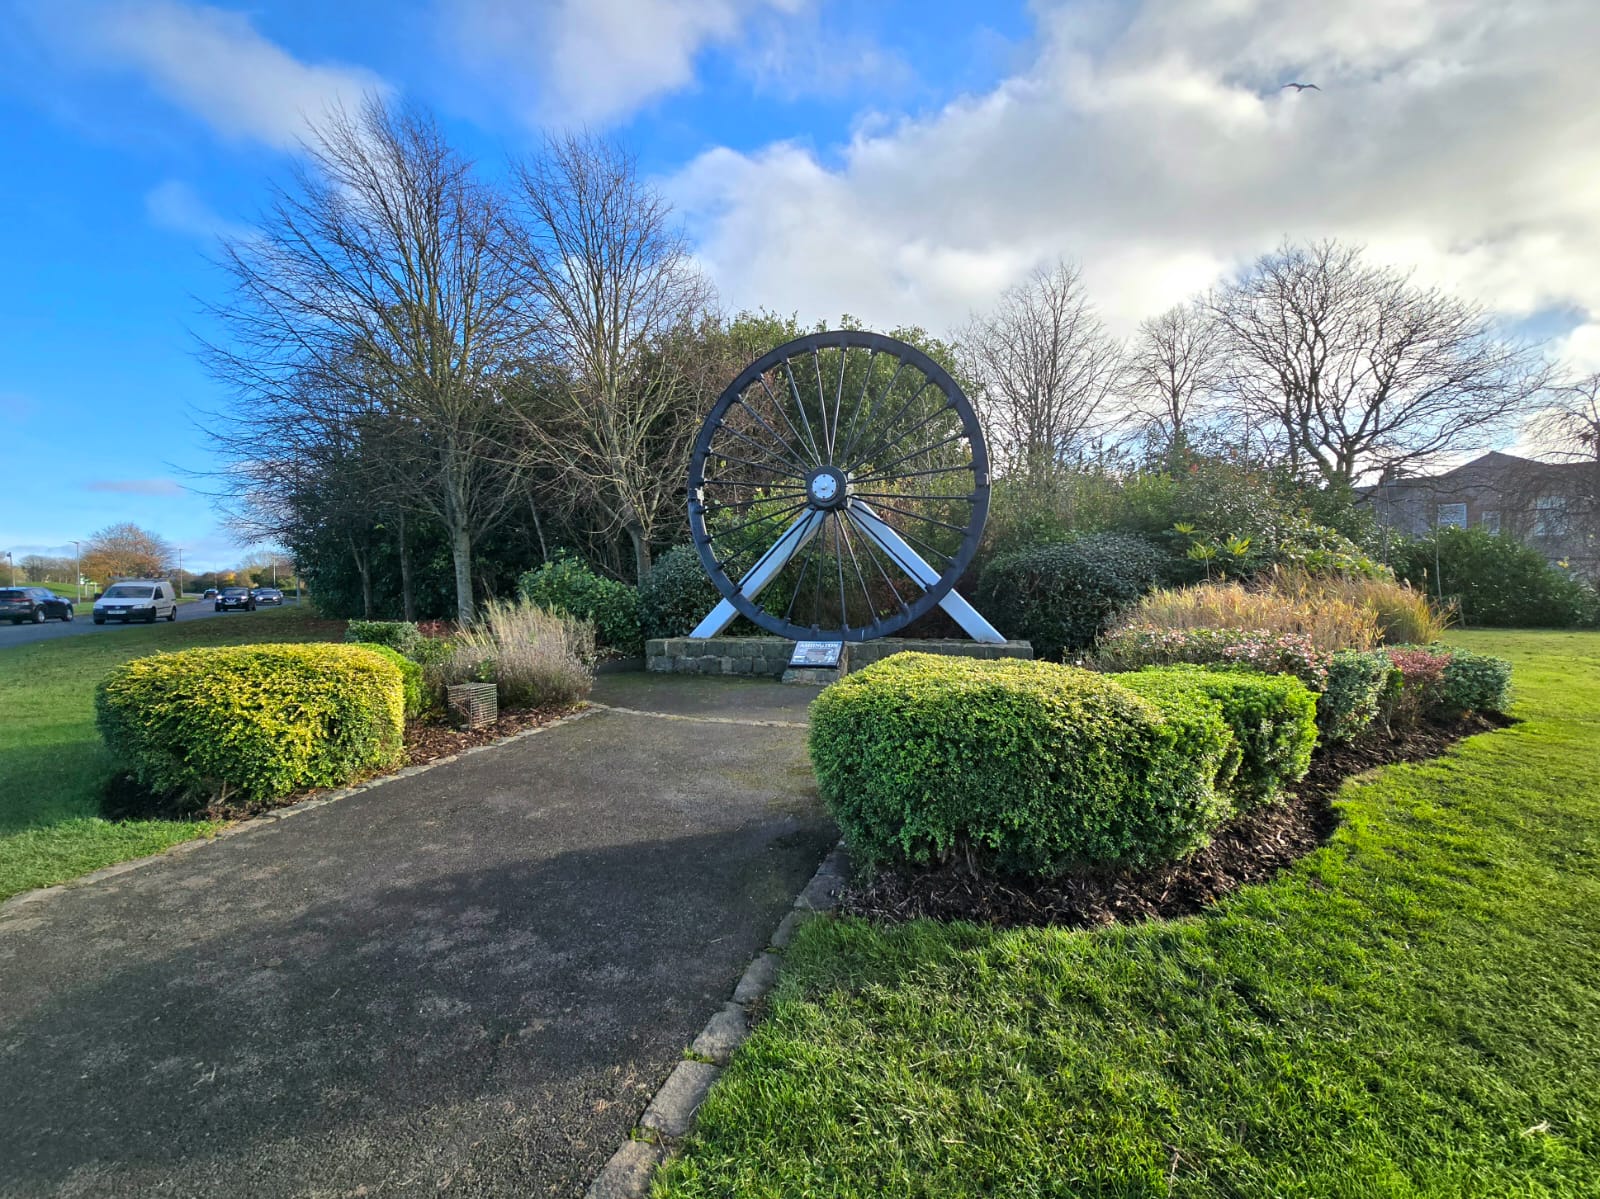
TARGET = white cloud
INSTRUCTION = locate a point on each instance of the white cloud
(174, 206)
(578, 61)
(216, 65)
(138, 486)
(1153, 143)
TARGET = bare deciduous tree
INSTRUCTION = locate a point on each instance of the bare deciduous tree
(614, 288)
(1173, 368)
(382, 272)
(1043, 368)
(1353, 369)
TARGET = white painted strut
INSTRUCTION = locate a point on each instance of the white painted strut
(908, 560)
(764, 571)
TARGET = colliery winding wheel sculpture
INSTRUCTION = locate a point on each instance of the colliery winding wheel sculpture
(837, 491)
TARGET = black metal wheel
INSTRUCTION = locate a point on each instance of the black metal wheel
(838, 487)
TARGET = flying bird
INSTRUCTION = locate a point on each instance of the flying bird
(1300, 87)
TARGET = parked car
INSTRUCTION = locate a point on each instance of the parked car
(236, 597)
(137, 599)
(37, 604)
(267, 595)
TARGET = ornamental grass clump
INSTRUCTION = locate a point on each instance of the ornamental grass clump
(536, 658)
(251, 723)
(1328, 622)
(1403, 614)
(1016, 766)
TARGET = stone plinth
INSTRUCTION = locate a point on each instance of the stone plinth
(768, 657)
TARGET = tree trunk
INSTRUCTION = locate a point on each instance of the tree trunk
(408, 604)
(461, 553)
(538, 528)
(364, 569)
(641, 550)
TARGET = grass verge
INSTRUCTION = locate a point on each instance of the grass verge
(53, 768)
(1412, 1010)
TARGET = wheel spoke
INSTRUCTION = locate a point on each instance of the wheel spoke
(866, 383)
(793, 453)
(799, 403)
(875, 553)
(777, 470)
(822, 402)
(927, 449)
(884, 440)
(914, 474)
(883, 447)
(816, 459)
(877, 405)
(919, 516)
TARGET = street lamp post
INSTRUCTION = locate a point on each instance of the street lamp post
(77, 569)
(180, 572)
(13, 562)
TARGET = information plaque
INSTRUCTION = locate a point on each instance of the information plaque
(816, 653)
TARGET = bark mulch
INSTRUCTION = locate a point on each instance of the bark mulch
(1252, 848)
(427, 740)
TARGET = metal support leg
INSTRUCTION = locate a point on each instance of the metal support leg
(763, 572)
(908, 560)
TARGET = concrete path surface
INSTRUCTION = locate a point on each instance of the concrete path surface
(466, 982)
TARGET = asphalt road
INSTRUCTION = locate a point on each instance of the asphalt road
(468, 982)
(27, 634)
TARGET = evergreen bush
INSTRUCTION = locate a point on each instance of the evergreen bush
(568, 586)
(252, 723)
(1273, 719)
(1021, 766)
(1064, 595)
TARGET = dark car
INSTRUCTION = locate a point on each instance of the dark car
(209, 593)
(268, 595)
(37, 604)
(236, 597)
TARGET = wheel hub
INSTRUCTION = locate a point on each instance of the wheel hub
(828, 488)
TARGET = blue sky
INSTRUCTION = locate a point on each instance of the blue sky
(901, 161)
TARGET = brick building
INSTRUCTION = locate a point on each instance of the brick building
(1551, 506)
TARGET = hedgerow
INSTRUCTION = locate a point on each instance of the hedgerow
(1136, 647)
(410, 676)
(251, 723)
(1272, 719)
(1023, 766)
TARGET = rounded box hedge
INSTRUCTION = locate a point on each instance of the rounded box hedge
(251, 723)
(1272, 717)
(1029, 766)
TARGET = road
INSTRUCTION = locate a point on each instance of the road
(27, 634)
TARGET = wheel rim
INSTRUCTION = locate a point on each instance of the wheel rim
(851, 469)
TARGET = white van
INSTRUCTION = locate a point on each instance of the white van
(137, 599)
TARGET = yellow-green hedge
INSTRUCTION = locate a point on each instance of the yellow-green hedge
(1027, 767)
(251, 723)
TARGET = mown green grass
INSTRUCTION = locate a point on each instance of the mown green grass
(53, 768)
(1413, 1010)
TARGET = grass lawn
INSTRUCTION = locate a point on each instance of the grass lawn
(1412, 1010)
(52, 765)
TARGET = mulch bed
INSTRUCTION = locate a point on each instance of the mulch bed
(1249, 849)
(427, 740)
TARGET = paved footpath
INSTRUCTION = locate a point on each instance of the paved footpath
(465, 982)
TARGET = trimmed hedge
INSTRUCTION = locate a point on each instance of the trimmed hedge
(252, 723)
(399, 635)
(1062, 596)
(1273, 718)
(1027, 766)
(1358, 682)
(410, 676)
(676, 595)
(569, 587)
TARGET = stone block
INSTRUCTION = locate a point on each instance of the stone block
(722, 1034)
(757, 979)
(671, 1112)
(627, 1174)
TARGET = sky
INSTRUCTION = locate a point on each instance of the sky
(901, 160)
